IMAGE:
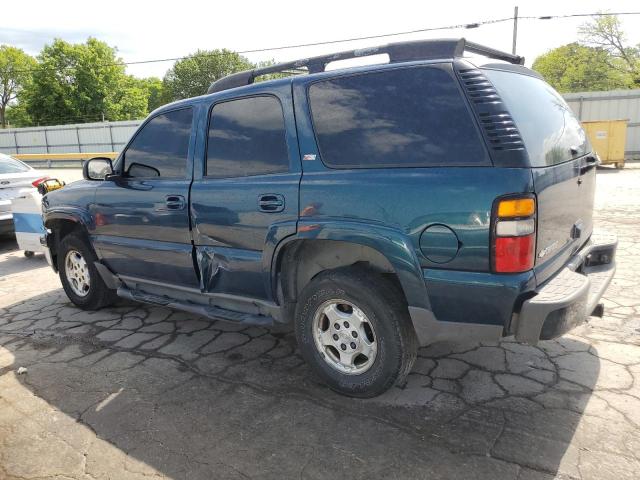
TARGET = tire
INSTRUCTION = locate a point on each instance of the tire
(361, 294)
(28, 253)
(94, 294)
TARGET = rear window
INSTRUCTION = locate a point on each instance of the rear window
(411, 117)
(10, 165)
(550, 131)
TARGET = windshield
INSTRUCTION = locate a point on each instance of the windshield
(549, 129)
(11, 165)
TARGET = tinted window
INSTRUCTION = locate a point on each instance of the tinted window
(11, 165)
(247, 137)
(548, 127)
(161, 147)
(411, 117)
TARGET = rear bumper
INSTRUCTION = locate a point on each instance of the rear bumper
(568, 298)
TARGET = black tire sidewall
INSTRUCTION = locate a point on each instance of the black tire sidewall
(385, 314)
(95, 298)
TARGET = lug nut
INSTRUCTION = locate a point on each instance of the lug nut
(346, 324)
(354, 334)
(335, 336)
(353, 345)
(336, 326)
(343, 346)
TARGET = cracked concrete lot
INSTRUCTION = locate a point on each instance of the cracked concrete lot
(133, 391)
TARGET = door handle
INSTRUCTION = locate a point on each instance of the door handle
(175, 202)
(271, 202)
(590, 162)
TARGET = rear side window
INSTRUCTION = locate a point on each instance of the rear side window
(10, 165)
(412, 117)
(161, 148)
(246, 138)
(549, 129)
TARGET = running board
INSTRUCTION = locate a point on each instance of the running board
(209, 311)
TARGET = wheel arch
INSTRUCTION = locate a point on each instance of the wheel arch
(298, 258)
(62, 224)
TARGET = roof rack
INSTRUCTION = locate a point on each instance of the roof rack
(398, 52)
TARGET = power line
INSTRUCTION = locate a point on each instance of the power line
(354, 39)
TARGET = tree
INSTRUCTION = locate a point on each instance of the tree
(577, 68)
(15, 73)
(605, 32)
(192, 76)
(81, 83)
(155, 92)
(17, 116)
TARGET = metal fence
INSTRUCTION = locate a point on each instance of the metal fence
(611, 105)
(86, 137)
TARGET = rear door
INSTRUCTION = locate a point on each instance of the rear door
(244, 198)
(563, 166)
(142, 219)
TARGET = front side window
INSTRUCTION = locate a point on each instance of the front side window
(409, 117)
(550, 131)
(246, 138)
(161, 148)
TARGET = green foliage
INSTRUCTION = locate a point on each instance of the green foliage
(15, 74)
(576, 68)
(192, 76)
(154, 88)
(17, 116)
(82, 82)
(605, 32)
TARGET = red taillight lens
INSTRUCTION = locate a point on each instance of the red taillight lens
(514, 254)
(37, 182)
(514, 234)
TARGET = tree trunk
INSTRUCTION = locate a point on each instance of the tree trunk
(3, 118)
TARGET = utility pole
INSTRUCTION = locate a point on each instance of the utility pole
(515, 29)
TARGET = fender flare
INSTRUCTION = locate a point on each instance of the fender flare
(77, 215)
(393, 244)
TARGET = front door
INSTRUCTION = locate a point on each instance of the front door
(245, 198)
(142, 218)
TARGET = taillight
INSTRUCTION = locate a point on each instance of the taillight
(514, 234)
(37, 182)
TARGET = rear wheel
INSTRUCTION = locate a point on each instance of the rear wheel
(80, 278)
(354, 330)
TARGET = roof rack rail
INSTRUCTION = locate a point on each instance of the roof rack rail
(398, 52)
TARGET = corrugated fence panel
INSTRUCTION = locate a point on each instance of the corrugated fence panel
(122, 132)
(62, 137)
(30, 138)
(86, 137)
(612, 105)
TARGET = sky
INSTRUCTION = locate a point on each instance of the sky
(143, 30)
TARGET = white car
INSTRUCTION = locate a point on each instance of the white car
(15, 177)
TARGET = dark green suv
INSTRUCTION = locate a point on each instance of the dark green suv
(374, 209)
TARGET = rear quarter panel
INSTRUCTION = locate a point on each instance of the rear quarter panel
(410, 200)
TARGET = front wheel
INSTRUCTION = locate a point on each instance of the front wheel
(353, 328)
(80, 278)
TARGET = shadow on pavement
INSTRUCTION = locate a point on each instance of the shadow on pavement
(192, 399)
(16, 261)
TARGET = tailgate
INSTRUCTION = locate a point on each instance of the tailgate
(562, 166)
(565, 212)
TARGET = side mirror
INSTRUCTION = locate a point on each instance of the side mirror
(97, 168)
